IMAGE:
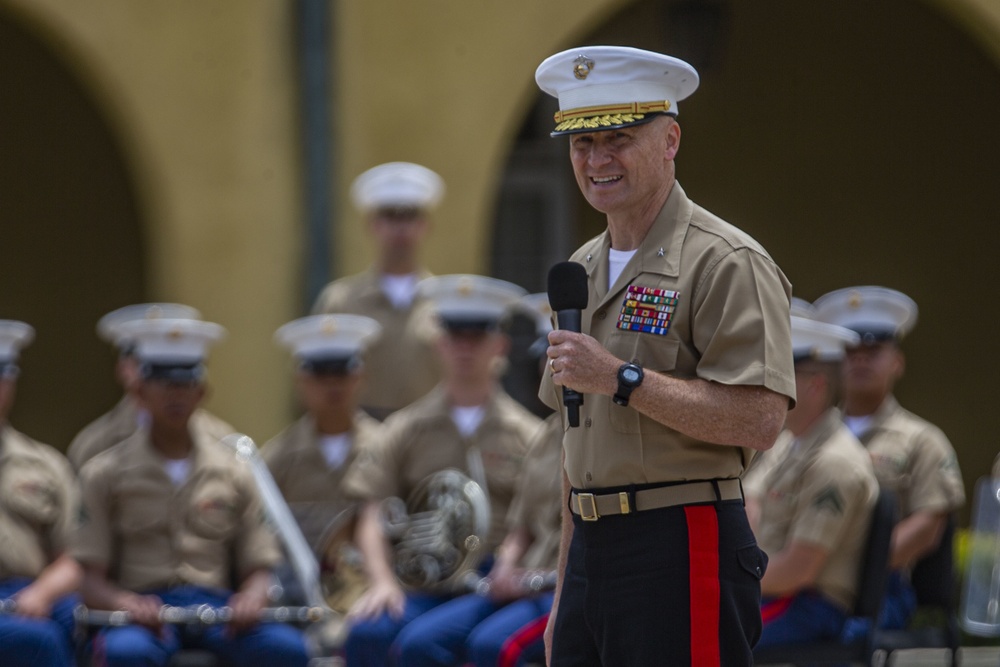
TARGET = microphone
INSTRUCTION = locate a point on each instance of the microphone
(568, 295)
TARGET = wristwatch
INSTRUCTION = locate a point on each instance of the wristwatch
(629, 377)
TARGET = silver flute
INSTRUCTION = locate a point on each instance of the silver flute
(202, 614)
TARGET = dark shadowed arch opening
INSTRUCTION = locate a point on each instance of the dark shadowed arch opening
(71, 235)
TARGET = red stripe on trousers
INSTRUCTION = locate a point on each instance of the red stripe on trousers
(703, 565)
(514, 646)
(772, 609)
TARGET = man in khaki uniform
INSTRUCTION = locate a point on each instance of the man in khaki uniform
(38, 503)
(685, 366)
(170, 517)
(912, 457)
(467, 423)
(396, 199)
(308, 459)
(503, 622)
(815, 501)
(127, 416)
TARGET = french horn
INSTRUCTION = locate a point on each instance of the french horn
(438, 535)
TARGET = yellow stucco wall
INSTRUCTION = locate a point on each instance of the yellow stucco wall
(203, 96)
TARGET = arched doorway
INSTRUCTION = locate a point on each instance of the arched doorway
(855, 140)
(72, 246)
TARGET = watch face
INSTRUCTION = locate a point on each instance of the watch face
(630, 375)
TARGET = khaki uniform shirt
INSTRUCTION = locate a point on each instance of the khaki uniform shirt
(822, 493)
(723, 316)
(538, 503)
(422, 439)
(122, 421)
(402, 365)
(38, 504)
(151, 534)
(914, 460)
(310, 486)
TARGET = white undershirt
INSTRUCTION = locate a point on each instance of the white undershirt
(177, 470)
(399, 289)
(335, 449)
(858, 425)
(467, 420)
(617, 259)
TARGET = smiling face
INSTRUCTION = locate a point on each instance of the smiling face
(626, 171)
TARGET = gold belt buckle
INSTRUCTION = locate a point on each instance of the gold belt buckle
(591, 514)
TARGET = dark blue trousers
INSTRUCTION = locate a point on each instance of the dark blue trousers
(29, 642)
(678, 586)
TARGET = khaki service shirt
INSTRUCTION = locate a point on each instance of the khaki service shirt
(822, 493)
(723, 305)
(538, 503)
(38, 504)
(311, 487)
(402, 365)
(151, 534)
(914, 460)
(422, 439)
(125, 419)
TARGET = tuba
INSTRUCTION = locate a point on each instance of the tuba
(438, 536)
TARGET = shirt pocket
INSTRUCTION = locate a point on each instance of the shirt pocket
(29, 493)
(214, 510)
(656, 354)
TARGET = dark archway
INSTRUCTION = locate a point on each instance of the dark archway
(856, 141)
(71, 242)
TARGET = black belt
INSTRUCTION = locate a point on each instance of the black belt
(592, 506)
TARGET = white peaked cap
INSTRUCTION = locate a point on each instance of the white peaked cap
(107, 326)
(820, 341)
(606, 87)
(877, 313)
(802, 308)
(325, 336)
(397, 185)
(172, 341)
(469, 298)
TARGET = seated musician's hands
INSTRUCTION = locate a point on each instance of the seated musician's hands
(33, 602)
(143, 609)
(385, 596)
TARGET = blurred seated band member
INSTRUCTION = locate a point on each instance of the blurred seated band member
(504, 623)
(467, 423)
(38, 504)
(396, 199)
(126, 417)
(169, 514)
(309, 459)
(815, 501)
(912, 457)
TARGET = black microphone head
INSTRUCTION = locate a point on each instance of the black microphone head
(568, 286)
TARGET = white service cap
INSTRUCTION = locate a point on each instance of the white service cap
(464, 301)
(172, 349)
(397, 185)
(329, 343)
(820, 341)
(107, 326)
(802, 308)
(876, 313)
(607, 87)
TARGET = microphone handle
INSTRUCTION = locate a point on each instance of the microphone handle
(569, 320)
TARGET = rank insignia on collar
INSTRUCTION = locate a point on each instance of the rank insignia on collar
(647, 310)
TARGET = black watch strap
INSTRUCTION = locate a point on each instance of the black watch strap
(630, 376)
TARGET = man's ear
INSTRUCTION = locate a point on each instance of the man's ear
(673, 139)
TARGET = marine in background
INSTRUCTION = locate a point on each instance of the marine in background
(38, 505)
(128, 415)
(912, 457)
(170, 517)
(467, 423)
(396, 200)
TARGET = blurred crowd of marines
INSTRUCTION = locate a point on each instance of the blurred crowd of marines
(398, 375)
